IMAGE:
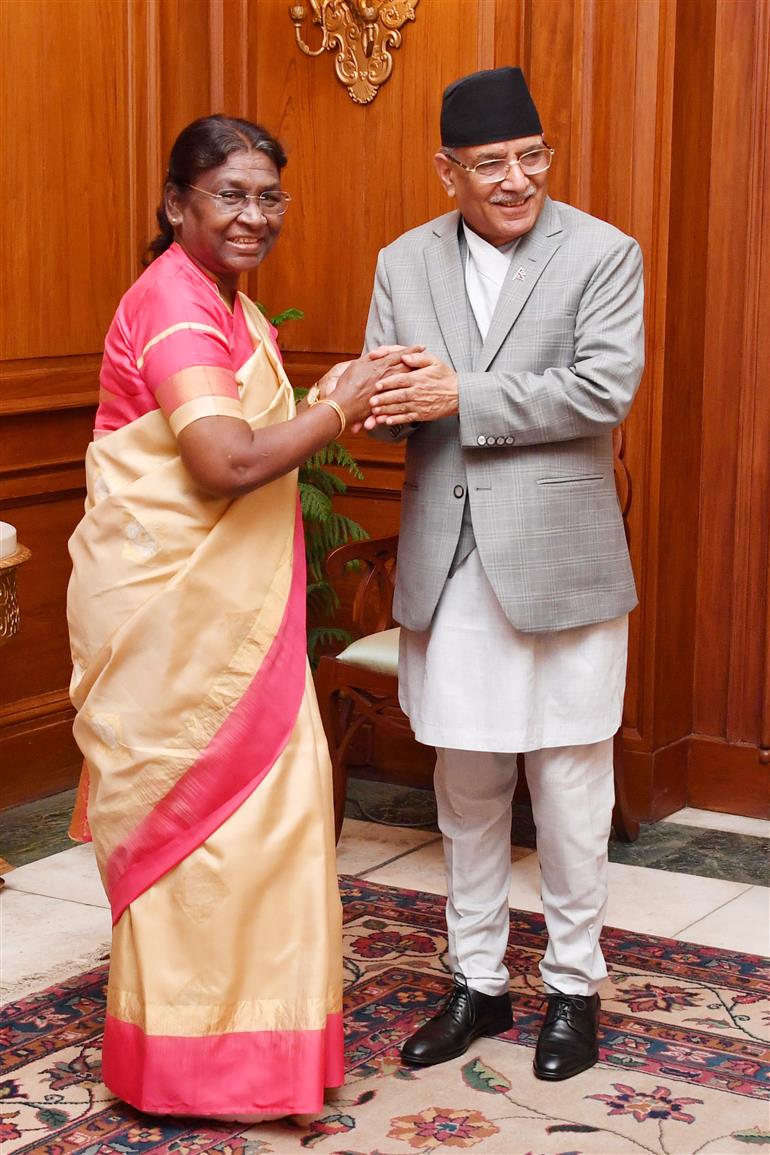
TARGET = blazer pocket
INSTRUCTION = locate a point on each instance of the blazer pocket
(581, 478)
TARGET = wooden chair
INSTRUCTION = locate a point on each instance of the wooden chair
(358, 689)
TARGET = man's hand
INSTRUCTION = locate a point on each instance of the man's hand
(427, 392)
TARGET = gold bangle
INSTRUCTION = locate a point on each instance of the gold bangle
(337, 409)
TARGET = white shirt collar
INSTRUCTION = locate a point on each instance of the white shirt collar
(486, 267)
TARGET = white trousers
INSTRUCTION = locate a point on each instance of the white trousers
(572, 793)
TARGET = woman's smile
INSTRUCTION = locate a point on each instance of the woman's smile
(247, 243)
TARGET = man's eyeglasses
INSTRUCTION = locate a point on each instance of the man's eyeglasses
(531, 162)
(232, 201)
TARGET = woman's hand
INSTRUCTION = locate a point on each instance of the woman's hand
(357, 384)
(328, 383)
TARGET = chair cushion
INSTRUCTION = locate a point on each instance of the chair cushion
(375, 652)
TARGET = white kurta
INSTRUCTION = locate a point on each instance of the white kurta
(474, 682)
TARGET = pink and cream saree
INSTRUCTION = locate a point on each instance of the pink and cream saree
(210, 789)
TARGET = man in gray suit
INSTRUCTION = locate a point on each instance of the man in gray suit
(514, 581)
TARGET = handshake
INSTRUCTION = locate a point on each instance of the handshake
(392, 385)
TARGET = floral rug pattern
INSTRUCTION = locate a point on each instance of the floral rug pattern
(684, 1068)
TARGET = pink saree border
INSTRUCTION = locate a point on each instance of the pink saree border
(216, 784)
(226, 1074)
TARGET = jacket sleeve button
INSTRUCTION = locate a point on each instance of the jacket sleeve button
(481, 439)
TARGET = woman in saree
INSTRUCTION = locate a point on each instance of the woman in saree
(209, 797)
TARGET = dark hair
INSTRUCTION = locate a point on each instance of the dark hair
(205, 144)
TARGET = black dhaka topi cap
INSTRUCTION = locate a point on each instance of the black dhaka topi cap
(486, 107)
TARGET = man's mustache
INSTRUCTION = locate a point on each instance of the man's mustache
(500, 199)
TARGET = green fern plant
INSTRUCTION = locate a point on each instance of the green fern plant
(325, 527)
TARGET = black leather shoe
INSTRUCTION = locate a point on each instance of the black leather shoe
(567, 1043)
(467, 1015)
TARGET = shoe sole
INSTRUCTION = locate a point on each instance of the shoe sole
(548, 1077)
(456, 1054)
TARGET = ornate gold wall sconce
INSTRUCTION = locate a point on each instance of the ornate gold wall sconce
(361, 32)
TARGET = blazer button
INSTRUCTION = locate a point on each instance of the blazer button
(458, 491)
(501, 441)
(509, 440)
(481, 440)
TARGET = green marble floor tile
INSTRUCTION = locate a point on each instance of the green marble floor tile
(720, 854)
(655, 841)
(390, 805)
(36, 829)
(693, 850)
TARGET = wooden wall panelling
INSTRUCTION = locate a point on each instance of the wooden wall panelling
(750, 585)
(676, 548)
(185, 65)
(511, 35)
(764, 732)
(732, 588)
(762, 370)
(90, 104)
(732, 591)
(144, 125)
(727, 776)
(31, 663)
(553, 70)
(622, 55)
(67, 201)
(63, 113)
(37, 752)
(723, 380)
(230, 64)
(650, 210)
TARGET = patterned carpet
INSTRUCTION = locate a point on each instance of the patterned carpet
(684, 1060)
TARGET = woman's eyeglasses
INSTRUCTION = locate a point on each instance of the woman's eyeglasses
(232, 201)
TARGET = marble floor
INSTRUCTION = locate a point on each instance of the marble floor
(698, 877)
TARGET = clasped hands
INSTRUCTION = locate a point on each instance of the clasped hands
(406, 384)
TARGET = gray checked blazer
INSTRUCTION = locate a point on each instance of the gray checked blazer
(531, 451)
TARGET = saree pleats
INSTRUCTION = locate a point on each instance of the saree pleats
(210, 800)
(225, 985)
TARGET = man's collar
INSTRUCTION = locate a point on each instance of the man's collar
(483, 250)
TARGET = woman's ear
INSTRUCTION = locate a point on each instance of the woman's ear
(172, 202)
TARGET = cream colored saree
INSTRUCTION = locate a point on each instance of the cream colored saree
(210, 790)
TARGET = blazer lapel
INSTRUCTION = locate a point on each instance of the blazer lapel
(447, 288)
(532, 254)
